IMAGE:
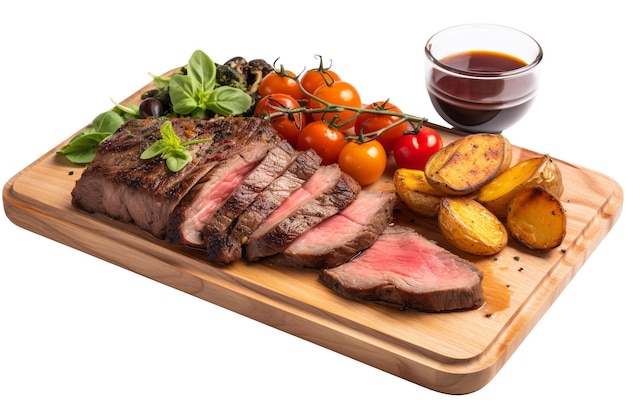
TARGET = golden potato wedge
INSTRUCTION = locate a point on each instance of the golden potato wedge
(465, 165)
(536, 219)
(540, 171)
(414, 190)
(469, 226)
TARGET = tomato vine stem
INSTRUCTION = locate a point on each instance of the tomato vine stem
(415, 121)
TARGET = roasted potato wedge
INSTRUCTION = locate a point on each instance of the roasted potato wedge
(465, 165)
(536, 219)
(470, 227)
(414, 190)
(540, 171)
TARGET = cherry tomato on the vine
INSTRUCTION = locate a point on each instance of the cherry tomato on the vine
(339, 93)
(412, 150)
(315, 78)
(275, 82)
(325, 140)
(369, 123)
(365, 162)
(287, 125)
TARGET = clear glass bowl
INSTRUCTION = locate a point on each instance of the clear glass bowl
(482, 77)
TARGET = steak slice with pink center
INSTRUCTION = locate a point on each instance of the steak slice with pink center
(327, 192)
(187, 222)
(227, 247)
(402, 267)
(342, 236)
(275, 163)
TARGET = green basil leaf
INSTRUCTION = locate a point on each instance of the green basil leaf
(109, 121)
(82, 149)
(157, 148)
(183, 94)
(227, 101)
(202, 69)
(161, 82)
(177, 160)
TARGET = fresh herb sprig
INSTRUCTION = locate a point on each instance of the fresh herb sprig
(81, 149)
(171, 148)
(195, 91)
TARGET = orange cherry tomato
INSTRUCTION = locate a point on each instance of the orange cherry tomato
(275, 82)
(315, 78)
(365, 162)
(368, 123)
(287, 125)
(339, 93)
(325, 140)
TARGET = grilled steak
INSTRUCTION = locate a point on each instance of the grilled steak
(187, 222)
(326, 193)
(120, 184)
(227, 246)
(248, 193)
(342, 236)
(275, 163)
(422, 275)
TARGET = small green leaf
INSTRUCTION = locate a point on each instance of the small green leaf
(227, 100)
(202, 69)
(177, 162)
(171, 148)
(126, 112)
(183, 94)
(161, 82)
(108, 121)
(156, 149)
(82, 148)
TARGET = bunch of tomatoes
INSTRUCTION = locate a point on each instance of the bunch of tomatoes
(319, 110)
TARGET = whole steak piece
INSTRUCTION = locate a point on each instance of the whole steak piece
(402, 267)
(342, 236)
(121, 185)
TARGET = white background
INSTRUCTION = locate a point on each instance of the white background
(81, 337)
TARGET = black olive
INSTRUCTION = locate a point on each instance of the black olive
(150, 107)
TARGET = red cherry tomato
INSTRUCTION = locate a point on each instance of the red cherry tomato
(325, 140)
(288, 125)
(365, 162)
(275, 82)
(315, 78)
(369, 123)
(339, 93)
(412, 150)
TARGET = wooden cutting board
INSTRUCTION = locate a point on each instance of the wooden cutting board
(455, 353)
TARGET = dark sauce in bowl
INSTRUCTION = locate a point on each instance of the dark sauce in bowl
(481, 91)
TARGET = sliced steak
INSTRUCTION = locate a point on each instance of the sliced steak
(327, 192)
(187, 222)
(342, 236)
(275, 163)
(403, 267)
(120, 184)
(224, 248)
